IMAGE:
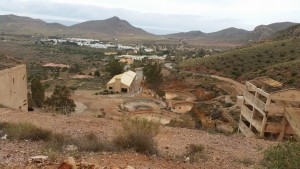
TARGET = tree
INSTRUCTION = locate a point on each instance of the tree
(60, 100)
(30, 101)
(37, 92)
(114, 67)
(152, 72)
(97, 73)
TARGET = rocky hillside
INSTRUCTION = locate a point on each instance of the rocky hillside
(265, 31)
(109, 28)
(278, 59)
(13, 24)
(232, 35)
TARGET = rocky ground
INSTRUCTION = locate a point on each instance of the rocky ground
(220, 150)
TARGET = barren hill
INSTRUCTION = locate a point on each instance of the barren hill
(24, 25)
(116, 28)
(277, 58)
(113, 26)
(232, 35)
(263, 31)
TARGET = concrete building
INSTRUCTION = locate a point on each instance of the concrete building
(269, 110)
(122, 82)
(13, 88)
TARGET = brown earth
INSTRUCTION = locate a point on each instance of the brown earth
(220, 151)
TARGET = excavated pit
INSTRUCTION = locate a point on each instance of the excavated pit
(142, 104)
(181, 102)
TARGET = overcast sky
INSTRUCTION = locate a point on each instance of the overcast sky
(161, 16)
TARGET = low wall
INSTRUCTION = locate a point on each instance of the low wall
(172, 94)
(13, 88)
(150, 104)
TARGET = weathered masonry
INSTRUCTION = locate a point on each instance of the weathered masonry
(13, 88)
(269, 110)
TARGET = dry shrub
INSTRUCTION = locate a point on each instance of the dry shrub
(138, 134)
(91, 143)
(195, 153)
(88, 142)
(184, 121)
(25, 131)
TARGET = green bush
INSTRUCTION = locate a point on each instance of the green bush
(37, 92)
(60, 100)
(285, 155)
(138, 134)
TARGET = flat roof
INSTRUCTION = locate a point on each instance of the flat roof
(266, 81)
(267, 84)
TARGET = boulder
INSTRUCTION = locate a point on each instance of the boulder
(68, 163)
(38, 159)
(225, 128)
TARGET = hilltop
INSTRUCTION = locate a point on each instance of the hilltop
(113, 26)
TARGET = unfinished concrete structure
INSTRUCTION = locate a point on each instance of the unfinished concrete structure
(269, 110)
(122, 82)
(13, 88)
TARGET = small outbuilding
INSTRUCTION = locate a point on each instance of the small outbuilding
(122, 82)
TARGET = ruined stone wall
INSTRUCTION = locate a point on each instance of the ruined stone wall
(13, 88)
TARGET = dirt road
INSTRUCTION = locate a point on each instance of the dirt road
(239, 86)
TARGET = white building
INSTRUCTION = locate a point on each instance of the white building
(122, 82)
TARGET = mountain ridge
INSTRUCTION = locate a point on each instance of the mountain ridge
(237, 35)
(114, 28)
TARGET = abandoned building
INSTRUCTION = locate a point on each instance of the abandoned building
(122, 82)
(269, 110)
(13, 88)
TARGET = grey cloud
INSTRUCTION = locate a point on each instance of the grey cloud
(152, 22)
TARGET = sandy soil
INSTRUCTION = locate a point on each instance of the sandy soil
(220, 151)
(56, 65)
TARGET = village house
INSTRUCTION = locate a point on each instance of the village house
(122, 82)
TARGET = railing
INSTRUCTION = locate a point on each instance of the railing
(259, 103)
(249, 96)
(250, 86)
(247, 114)
(245, 130)
(255, 102)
